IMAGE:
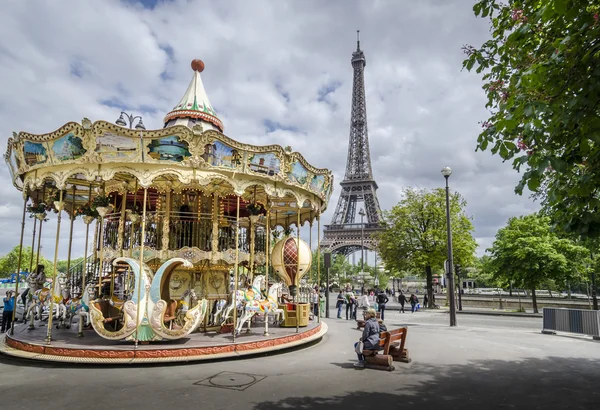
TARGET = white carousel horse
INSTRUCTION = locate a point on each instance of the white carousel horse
(218, 308)
(61, 295)
(80, 307)
(257, 304)
(241, 297)
(236, 302)
(35, 281)
(39, 299)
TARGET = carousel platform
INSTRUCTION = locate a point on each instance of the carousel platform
(67, 347)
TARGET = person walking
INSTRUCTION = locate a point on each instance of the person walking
(413, 302)
(402, 301)
(7, 314)
(350, 302)
(382, 299)
(339, 304)
(316, 300)
(425, 300)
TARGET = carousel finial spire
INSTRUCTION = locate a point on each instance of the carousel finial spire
(194, 107)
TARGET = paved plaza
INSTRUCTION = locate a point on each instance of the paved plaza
(486, 362)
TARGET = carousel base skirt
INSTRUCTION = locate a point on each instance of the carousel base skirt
(67, 347)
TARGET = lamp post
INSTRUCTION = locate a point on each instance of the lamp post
(362, 239)
(446, 172)
(121, 121)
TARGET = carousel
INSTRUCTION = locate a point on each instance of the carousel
(188, 234)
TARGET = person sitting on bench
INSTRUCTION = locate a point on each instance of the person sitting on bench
(369, 338)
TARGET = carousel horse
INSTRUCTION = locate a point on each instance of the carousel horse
(80, 307)
(217, 310)
(39, 299)
(253, 293)
(61, 295)
(35, 281)
(254, 303)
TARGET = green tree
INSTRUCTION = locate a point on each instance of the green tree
(528, 253)
(541, 72)
(10, 262)
(415, 237)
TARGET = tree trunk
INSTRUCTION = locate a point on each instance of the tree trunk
(534, 301)
(429, 286)
(510, 290)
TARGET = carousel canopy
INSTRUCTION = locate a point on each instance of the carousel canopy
(194, 106)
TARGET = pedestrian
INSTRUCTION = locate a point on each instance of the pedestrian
(7, 314)
(402, 301)
(339, 304)
(369, 338)
(413, 302)
(315, 301)
(382, 299)
(425, 300)
(350, 302)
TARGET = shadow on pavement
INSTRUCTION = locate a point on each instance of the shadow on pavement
(553, 382)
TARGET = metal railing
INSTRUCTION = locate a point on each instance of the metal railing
(586, 322)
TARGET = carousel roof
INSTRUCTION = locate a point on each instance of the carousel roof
(194, 106)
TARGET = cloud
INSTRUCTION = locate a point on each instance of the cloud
(276, 72)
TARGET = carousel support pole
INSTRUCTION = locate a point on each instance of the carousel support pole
(39, 246)
(319, 264)
(235, 269)
(139, 284)
(87, 220)
(32, 245)
(166, 222)
(317, 276)
(72, 219)
(59, 208)
(121, 231)
(252, 219)
(298, 271)
(267, 252)
(26, 197)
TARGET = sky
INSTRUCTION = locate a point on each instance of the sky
(277, 72)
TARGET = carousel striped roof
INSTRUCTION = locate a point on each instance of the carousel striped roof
(194, 105)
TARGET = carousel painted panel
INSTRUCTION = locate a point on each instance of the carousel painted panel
(113, 147)
(171, 148)
(179, 283)
(298, 173)
(215, 284)
(267, 163)
(68, 148)
(13, 164)
(317, 184)
(35, 153)
(219, 154)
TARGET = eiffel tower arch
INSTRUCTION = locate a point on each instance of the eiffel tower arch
(344, 233)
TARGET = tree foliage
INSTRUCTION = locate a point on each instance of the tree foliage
(541, 70)
(527, 253)
(415, 237)
(10, 262)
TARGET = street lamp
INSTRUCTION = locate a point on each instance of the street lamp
(131, 119)
(446, 172)
(362, 236)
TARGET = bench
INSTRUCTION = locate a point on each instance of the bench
(393, 342)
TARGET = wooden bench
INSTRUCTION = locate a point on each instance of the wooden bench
(393, 342)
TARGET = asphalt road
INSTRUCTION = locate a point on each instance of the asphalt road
(486, 362)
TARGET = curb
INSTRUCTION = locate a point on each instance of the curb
(492, 313)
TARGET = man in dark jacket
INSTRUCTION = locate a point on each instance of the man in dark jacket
(382, 299)
(402, 301)
(370, 336)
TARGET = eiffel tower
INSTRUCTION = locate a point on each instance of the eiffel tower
(343, 235)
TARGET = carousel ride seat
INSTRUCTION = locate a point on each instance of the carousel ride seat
(112, 315)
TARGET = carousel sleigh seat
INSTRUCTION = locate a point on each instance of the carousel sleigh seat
(112, 315)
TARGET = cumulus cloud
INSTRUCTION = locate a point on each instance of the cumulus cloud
(276, 72)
